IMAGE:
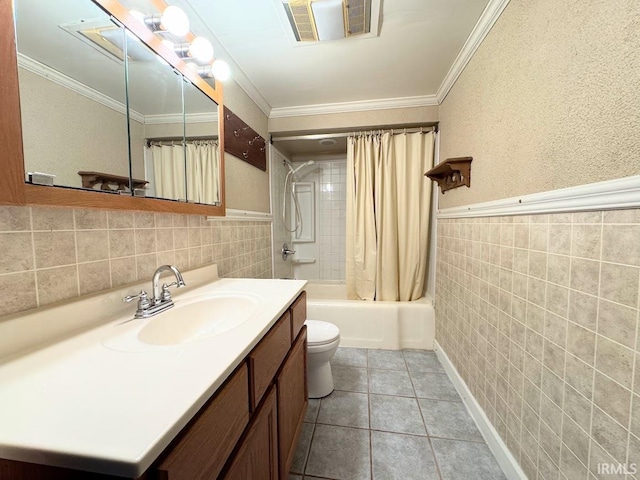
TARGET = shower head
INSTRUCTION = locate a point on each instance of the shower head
(305, 164)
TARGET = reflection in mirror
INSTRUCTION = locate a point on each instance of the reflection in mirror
(203, 153)
(72, 94)
(155, 98)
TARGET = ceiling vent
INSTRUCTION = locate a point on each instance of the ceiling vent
(108, 39)
(325, 20)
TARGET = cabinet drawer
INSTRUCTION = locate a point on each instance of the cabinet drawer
(206, 443)
(266, 357)
(298, 314)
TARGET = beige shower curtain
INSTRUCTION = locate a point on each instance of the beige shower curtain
(388, 210)
(202, 171)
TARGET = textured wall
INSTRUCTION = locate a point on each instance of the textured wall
(539, 315)
(358, 120)
(52, 254)
(65, 132)
(247, 187)
(549, 100)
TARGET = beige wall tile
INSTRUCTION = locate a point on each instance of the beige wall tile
(57, 284)
(583, 309)
(585, 275)
(621, 244)
(90, 219)
(121, 243)
(612, 398)
(182, 259)
(195, 237)
(557, 299)
(164, 239)
(579, 375)
(618, 323)
(164, 220)
(572, 467)
(45, 218)
(92, 245)
(145, 241)
(576, 439)
(619, 283)
(120, 219)
(94, 277)
(538, 264)
(194, 220)
(17, 252)
(144, 220)
(54, 248)
(18, 291)
(146, 266)
(581, 342)
(558, 269)
(538, 237)
(560, 239)
(123, 271)
(181, 238)
(614, 360)
(586, 241)
(609, 434)
(621, 216)
(14, 219)
(180, 220)
(587, 217)
(577, 407)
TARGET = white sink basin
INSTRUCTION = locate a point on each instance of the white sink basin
(198, 317)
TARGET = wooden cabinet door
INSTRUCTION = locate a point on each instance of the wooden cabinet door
(257, 457)
(292, 401)
(203, 446)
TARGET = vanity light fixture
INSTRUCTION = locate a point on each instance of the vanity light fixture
(200, 49)
(172, 20)
(219, 70)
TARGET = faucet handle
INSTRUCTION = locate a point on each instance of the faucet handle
(143, 300)
(166, 294)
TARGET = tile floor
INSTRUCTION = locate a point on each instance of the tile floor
(393, 415)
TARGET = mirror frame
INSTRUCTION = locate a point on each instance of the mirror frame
(14, 190)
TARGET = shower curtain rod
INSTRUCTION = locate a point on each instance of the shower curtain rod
(172, 140)
(320, 136)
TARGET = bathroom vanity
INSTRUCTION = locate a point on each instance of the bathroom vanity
(226, 403)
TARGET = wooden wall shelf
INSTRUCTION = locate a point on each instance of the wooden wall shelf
(452, 173)
(89, 179)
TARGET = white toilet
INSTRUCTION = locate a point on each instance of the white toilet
(323, 339)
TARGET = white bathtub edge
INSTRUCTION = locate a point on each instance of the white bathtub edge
(505, 459)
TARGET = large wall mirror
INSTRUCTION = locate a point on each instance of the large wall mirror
(102, 111)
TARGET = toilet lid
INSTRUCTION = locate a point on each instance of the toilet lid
(319, 333)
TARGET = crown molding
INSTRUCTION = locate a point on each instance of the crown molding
(487, 20)
(177, 118)
(621, 193)
(63, 80)
(356, 106)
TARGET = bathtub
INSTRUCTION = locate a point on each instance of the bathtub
(388, 325)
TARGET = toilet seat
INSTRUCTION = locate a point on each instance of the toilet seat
(321, 333)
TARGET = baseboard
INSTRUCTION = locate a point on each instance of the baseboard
(505, 459)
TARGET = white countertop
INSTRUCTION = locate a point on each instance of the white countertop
(89, 404)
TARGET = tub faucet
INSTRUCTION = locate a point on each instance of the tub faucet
(161, 296)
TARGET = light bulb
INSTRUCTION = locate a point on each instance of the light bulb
(221, 70)
(201, 49)
(175, 21)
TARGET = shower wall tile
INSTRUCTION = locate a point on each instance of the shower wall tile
(332, 209)
(53, 254)
(539, 314)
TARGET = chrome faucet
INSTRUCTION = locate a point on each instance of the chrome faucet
(161, 296)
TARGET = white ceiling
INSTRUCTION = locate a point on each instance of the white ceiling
(418, 43)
